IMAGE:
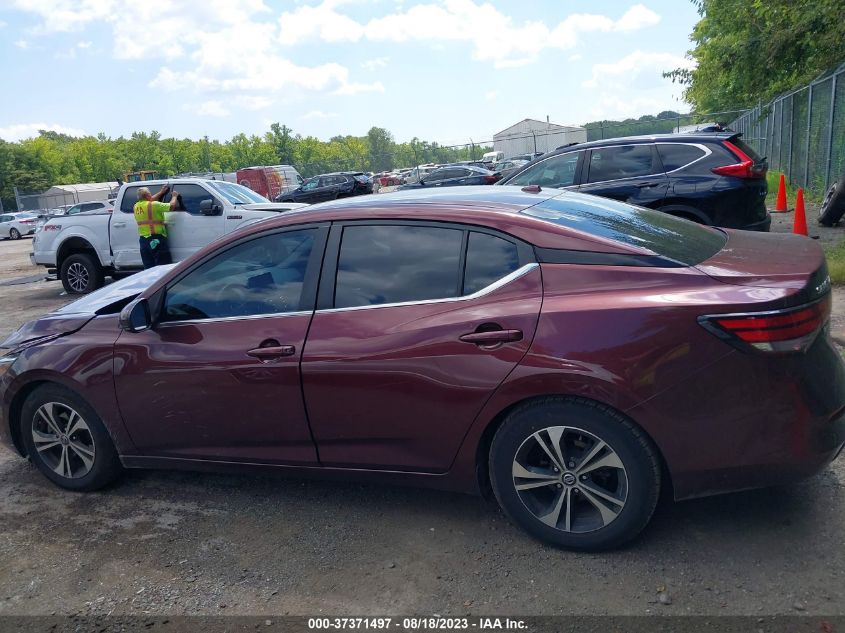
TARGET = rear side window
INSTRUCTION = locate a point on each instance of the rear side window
(680, 240)
(130, 197)
(489, 258)
(394, 264)
(677, 155)
(622, 161)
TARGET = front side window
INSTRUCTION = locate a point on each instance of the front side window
(436, 176)
(309, 185)
(489, 258)
(191, 195)
(394, 264)
(263, 276)
(622, 161)
(557, 171)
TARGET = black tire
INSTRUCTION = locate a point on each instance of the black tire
(105, 464)
(638, 479)
(833, 205)
(14, 234)
(81, 274)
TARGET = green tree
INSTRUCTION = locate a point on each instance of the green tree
(748, 51)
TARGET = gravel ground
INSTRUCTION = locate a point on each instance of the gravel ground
(181, 543)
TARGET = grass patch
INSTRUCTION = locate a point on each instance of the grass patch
(836, 262)
(773, 179)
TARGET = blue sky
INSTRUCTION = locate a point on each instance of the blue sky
(443, 70)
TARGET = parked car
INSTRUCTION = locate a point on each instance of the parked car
(15, 225)
(572, 354)
(84, 248)
(527, 157)
(508, 167)
(328, 187)
(454, 175)
(99, 206)
(712, 178)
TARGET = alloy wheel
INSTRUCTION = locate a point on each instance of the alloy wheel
(14, 234)
(63, 440)
(78, 277)
(570, 479)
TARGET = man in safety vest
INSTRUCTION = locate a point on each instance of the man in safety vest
(149, 214)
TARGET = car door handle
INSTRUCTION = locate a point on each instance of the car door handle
(645, 185)
(492, 337)
(272, 353)
(118, 225)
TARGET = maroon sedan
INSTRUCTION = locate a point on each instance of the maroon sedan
(571, 354)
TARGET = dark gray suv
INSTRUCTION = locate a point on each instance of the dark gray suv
(712, 178)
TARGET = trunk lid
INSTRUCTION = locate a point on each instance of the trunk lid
(769, 260)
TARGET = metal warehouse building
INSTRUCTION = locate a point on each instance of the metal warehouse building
(71, 194)
(531, 135)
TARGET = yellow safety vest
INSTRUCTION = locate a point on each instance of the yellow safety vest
(150, 217)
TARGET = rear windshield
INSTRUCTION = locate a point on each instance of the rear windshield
(680, 240)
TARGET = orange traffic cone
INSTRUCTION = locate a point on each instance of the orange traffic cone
(780, 203)
(799, 225)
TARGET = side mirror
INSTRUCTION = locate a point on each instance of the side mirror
(208, 207)
(136, 316)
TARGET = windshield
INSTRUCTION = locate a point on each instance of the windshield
(236, 194)
(677, 239)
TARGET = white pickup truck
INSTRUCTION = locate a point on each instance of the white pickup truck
(85, 248)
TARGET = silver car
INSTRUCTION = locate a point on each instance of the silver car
(13, 226)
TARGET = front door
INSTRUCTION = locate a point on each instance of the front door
(123, 231)
(628, 173)
(218, 377)
(412, 340)
(188, 229)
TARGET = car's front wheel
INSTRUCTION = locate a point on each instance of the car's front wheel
(14, 234)
(574, 473)
(67, 441)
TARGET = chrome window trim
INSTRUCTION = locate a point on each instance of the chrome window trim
(499, 283)
(246, 317)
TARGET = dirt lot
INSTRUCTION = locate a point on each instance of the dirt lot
(177, 543)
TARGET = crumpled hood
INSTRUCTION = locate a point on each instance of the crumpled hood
(75, 315)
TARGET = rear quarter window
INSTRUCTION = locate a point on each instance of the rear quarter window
(677, 155)
(680, 240)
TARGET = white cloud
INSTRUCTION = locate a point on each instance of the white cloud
(84, 44)
(574, 58)
(494, 36)
(318, 114)
(253, 102)
(491, 95)
(375, 64)
(3, 24)
(634, 85)
(22, 44)
(22, 131)
(210, 108)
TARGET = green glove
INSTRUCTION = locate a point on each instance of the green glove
(154, 244)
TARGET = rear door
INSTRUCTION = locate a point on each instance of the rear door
(628, 173)
(123, 231)
(417, 324)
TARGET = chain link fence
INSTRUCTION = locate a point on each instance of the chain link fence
(802, 133)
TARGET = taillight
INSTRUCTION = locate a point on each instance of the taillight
(746, 168)
(792, 330)
(489, 180)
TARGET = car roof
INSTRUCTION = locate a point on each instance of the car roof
(700, 137)
(494, 207)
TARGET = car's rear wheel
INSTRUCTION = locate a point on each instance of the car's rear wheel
(833, 205)
(574, 473)
(67, 441)
(14, 234)
(81, 274)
